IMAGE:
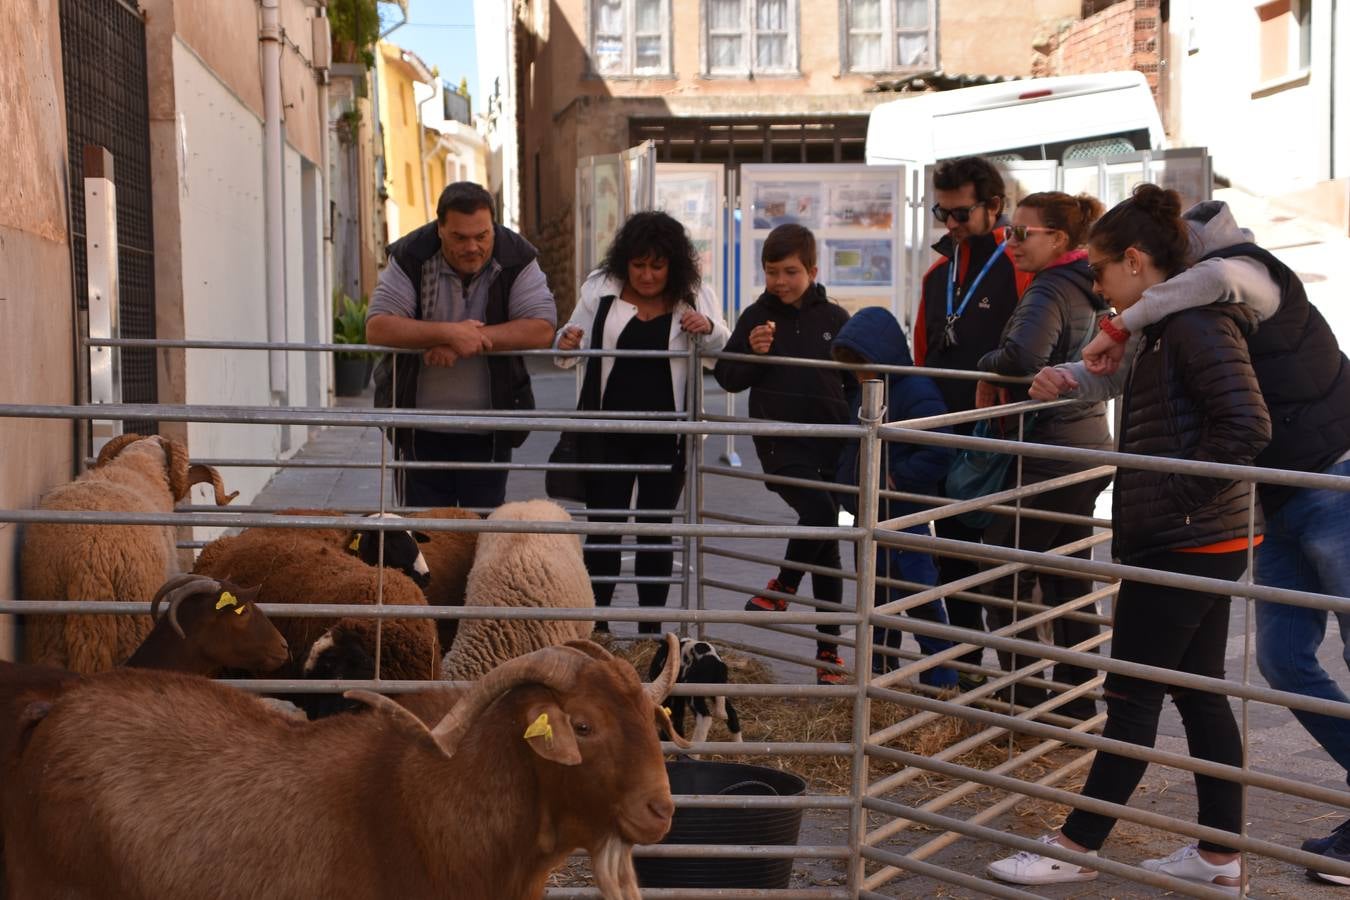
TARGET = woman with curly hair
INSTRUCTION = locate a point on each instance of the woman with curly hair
(646, 295)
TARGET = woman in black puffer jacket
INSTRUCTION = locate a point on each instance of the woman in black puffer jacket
(1055, 319)
(1191, 394)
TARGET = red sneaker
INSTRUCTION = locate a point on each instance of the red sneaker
(830, 676)
(770, 604)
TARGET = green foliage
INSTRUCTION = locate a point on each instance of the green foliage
(464, 86)
(349, 322)
(355, 25)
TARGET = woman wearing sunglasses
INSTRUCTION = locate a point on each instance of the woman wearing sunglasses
(1191, 394)
(1055, 319)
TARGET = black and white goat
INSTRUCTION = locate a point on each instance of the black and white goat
(699, 664)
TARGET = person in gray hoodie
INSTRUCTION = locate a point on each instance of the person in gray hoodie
(1305, 379)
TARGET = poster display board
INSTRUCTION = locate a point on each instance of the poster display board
(609, 188)
(695, 195)
(856, 213)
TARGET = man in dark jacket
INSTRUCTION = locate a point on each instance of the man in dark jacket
(1305, 379)
(454, 289)
(967, 297)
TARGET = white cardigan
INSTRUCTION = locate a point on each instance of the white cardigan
(621, 312)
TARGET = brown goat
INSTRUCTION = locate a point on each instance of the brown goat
(208, 625)
(138, 784)
(449, 556)
(107, 562)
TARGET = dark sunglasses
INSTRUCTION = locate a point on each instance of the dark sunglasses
(1019, 232)
(961, 213)
(1097, 267)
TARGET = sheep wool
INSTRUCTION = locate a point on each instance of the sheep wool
(523, 570)
(107, 562)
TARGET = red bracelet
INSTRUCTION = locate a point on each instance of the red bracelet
(1112, 330)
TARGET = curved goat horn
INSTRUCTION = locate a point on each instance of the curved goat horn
(114, 447)
(178, 588)
(659, 689)
(200, 474)
(553, 667)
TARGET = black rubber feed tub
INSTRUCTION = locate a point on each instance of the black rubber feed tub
(726, 826)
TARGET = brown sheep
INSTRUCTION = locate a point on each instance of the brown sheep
(293, 570)
(107, 562)
(449, 556)
(137, 784)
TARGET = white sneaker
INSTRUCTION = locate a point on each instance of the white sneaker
(1187, 863)
(1032, 868)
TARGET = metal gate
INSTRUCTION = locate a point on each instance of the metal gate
(104, 70)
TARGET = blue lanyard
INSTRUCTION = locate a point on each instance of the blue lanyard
(974, 285)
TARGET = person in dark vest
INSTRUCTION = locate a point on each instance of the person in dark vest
(456, 288)
(967, 297)
(1305, 379)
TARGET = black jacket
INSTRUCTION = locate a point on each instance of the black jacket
(508, 380)
(1305, 379)
(981, 324)
(1191, 394)
(1055, 319)
(791, 393)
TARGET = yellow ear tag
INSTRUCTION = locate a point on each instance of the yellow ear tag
(355, 545)
(228, 599)
(668, 710)
(539, 727)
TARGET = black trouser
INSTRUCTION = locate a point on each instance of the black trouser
(1040, 535)
(1175, 629)
(813, 507)
(468, 488)
(961, 613)
(614, 490)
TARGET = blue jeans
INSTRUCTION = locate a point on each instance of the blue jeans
(908, 565)
(1306, 548)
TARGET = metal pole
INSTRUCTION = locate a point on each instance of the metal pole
(869, 472)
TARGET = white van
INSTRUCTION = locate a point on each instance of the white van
(1060, 118)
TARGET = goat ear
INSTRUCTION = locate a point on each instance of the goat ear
(421, 537)
(663, 721)
(548, 731)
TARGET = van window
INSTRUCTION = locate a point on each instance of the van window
(1092, 149)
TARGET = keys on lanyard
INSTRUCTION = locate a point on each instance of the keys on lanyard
(949, 333)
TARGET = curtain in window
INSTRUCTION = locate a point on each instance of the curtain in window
(725, 37)
(865, 46)
(648, 44)
(911, 49)
(911, 13)
(771, 34)
(607, 48)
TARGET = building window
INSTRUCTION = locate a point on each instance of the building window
(751, 37)
(891, 35)
(630, 37)
(1286, 38)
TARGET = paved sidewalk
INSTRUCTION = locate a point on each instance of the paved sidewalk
(1278, 743)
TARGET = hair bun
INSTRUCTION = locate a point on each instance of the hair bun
(1090, 208)
(1158, 203)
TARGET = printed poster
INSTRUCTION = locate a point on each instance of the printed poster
(786, 202)
(857, 263)
(867, 204)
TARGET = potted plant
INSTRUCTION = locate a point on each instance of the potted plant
(351, 370)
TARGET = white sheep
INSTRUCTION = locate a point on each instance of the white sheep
(133, 473)
(521, 569)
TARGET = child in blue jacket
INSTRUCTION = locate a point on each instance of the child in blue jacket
(873, 336)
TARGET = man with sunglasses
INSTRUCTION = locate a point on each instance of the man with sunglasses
(967, 297)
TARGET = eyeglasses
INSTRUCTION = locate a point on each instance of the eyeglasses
(960, 213)
(1097, 267)
(1019, 232)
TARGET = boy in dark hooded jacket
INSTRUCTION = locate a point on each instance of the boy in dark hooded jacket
(874, 337)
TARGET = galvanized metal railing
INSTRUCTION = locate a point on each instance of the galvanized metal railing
(874, 856)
